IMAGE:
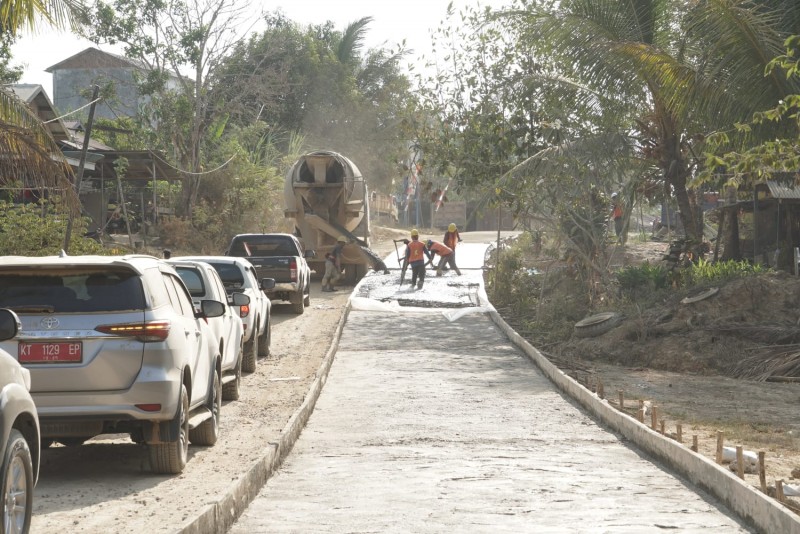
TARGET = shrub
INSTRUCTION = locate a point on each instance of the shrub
(36, 230)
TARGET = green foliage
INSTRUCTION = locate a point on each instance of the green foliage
(34, 230)
(704, 272)
(535, 298)
(635, 281)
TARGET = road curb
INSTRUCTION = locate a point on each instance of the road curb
(755, 508)
(220, 515)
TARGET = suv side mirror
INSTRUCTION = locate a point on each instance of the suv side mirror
(211, 308)
(9, 324)
(309, 254)
(267, 284)
(240, 299)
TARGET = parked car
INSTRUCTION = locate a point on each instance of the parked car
(239, 276)
(203, 282)
(19, 424)
(114, 345)
(278, 256)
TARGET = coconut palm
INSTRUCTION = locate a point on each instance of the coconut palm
(683, 68)
(16, 15)
(29, 156)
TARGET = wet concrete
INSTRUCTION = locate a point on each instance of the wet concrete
(428, 425)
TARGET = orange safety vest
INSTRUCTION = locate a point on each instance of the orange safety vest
(617, 214)
(416, 251)
(440, 249)
(450, 239)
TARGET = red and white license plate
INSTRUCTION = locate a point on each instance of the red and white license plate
(44, 352)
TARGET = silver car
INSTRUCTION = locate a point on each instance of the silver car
(19, 425)
(114, 345)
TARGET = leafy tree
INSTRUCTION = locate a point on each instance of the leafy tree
(168, 36)
(8, 73)
(331, 91)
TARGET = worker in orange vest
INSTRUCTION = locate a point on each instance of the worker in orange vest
(617, 214)
(447, 254)
(451, 238)
(415, 257)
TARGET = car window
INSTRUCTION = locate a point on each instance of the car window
(77, 290)
(214, 279)
(174, 297)
(263, 246)
(193, 279)
(156, 288)
(184, 297)
(231, 275)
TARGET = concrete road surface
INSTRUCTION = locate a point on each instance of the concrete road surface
(432, 425)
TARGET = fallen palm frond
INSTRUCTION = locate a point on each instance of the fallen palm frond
(783, 362)
(770, 334)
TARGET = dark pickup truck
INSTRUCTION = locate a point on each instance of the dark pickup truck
(278, 256)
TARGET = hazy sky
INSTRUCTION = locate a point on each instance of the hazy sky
(394, 20)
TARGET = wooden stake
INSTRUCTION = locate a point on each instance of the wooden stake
(762, 471)
(601, 392)
(694, 442)
(621, 395)
(679, 433)
(720, 441)
(740, 461)
(640, 415)
(779, 491)
(662, 426)
(654, 417)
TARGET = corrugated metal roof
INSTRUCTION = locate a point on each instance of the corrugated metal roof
(782, 190)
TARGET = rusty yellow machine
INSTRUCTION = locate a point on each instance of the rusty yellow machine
(326, 195)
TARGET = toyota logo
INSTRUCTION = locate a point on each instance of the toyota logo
(49, 323)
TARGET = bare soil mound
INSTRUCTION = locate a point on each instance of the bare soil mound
(702, 356)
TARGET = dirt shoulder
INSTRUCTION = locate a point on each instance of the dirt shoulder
(680, 356)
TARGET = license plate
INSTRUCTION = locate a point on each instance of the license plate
(44, 352)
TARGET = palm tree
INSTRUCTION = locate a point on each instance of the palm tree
(682, 68)
(18, 14)
(28, 154)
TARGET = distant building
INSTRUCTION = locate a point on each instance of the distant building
(73, 78)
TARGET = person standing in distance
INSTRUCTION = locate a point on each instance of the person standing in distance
(451, 237)
(333, 265)
(616, 214)
(415, 258)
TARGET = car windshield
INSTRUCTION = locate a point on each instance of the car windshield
(71, 291)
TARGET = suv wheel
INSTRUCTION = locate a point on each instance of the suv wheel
(230, 390)
(207, 432)
(170, 457)
(17, 484)
(264, 339)
(250, 354)
(307, 300)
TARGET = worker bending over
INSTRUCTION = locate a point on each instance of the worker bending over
(446, 253)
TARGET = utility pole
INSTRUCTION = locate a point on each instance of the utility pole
(82, 165)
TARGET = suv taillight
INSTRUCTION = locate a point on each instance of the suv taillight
(293, 270)
(152, 331)
(244, 311)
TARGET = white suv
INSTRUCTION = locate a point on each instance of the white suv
(204, 283)
(114, 345)
(239, 276)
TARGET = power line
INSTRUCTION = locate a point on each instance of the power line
(74, 111)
